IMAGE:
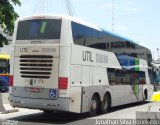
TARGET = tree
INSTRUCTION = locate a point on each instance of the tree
(7, 18)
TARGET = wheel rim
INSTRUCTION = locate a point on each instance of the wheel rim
(93, 105)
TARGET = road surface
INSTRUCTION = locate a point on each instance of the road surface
(37, 117)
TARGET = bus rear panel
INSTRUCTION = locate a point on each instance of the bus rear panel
(35, 81)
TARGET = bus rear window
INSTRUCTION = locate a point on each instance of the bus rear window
(39, 29)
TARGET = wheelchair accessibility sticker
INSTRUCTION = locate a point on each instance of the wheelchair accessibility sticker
(52, 93)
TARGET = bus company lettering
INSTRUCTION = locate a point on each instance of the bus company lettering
(49, 50)
(100, 58)
(23, 50)
(87, 56)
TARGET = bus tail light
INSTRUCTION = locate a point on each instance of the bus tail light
(63, 82)
(11, 80)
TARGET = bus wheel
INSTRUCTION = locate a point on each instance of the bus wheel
(105, 104)
(94, 106)
(145, 95)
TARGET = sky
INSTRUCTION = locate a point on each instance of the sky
(138, 20)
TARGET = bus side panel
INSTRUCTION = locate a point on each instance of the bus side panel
(150, 90)
(100, 76)
(76, 75)
(75, 99)
(86, 82)
(140, 92)
(93, 57)
(132, 95)
(80, 75)
(64, 68)
(147, 86)
(118, 97)
(79, 99)
(80, 90)
(85, 99)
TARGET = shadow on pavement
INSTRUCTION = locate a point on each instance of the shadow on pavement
(118, 108)
(51, 118)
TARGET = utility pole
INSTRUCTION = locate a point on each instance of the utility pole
(158, 53)
(43, 6)
(153, 55)
(69, 7)
(113, 15)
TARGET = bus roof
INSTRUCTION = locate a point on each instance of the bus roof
(4, 56)
(60, 16)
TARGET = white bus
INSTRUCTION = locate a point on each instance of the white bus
(60, 63)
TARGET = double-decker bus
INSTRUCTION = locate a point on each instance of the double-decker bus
(4, 72)
(61, 63)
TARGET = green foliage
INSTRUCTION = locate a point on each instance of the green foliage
(7, 18)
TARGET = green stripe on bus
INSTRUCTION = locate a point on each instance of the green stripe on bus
(136, 89)
(44, 24)
(136, 62)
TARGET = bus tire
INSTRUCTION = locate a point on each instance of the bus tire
(94, 104)
(105, 104)
(145, 94)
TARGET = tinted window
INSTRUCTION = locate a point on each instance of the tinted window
(86, 36)
(128, 62)
(125, 77)
(129, 45)
(117, 44)
(39, 29)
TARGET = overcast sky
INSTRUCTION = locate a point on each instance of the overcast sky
(138, 20)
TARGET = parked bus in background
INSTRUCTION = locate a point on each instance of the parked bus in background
(60, 63)
(4, 72)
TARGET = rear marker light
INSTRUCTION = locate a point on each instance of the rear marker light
(63, 82)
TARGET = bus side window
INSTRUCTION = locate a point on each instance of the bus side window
(101, 46)
(107, 46)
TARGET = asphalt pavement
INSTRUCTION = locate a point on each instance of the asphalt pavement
(37, 117)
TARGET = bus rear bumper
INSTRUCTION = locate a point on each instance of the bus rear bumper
(60, 104)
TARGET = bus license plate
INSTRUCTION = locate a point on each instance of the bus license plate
(36, 90)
